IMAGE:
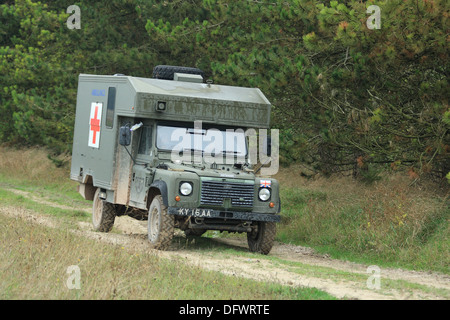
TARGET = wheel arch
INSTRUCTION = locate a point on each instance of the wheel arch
(158, 187)
(86, 188)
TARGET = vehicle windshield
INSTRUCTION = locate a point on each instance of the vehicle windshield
(210, 141)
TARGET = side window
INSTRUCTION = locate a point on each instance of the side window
(110, 107)
(145, 142)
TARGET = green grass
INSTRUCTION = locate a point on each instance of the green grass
(388, 223)
(386, 227)
(8, 198)
(63, 191)
(34, 258)
(383, 226)
(34, 261)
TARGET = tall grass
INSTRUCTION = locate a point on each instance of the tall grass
(389, 221)
(33, 165)
(31, 169)
(35, 261)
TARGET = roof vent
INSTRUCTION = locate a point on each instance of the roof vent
(187, 77)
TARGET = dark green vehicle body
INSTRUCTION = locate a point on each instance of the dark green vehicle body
(224, 194)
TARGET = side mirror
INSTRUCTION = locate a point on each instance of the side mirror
(124, 136)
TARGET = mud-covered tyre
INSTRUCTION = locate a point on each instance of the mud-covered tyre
(160, 224)
(261, 240)
(167, 72)
(103, 214)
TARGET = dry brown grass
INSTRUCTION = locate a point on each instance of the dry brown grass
(291, 177)
(396, 219)
(393, 218)
(32, 164)
(37, 252)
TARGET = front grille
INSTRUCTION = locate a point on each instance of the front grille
(215, 192)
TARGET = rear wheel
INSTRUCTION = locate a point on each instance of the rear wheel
(160, 224)
(262, 238)
(103, 214)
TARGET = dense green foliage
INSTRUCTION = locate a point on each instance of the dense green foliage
(345, 97)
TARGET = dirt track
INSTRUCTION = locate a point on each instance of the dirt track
(286, 264)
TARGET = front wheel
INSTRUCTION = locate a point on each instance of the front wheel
(161, 225)
(262, 238)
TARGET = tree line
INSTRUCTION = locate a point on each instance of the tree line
(346, 97)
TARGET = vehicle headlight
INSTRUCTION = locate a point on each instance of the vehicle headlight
(264, 194)
(185, 188)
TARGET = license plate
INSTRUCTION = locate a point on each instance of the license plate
(202, 213)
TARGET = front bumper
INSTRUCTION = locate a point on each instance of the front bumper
(233, 215)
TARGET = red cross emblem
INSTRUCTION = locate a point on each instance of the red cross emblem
(94, 124)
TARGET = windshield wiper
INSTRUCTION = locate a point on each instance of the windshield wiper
(229, 151)
(212, 153)
(195, 150)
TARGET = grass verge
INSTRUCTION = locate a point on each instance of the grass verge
(389, 223)
(35, 263)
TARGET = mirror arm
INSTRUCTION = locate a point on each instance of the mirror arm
(126, 141)
(134, 161)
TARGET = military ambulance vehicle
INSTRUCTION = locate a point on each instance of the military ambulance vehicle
(173, 150)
